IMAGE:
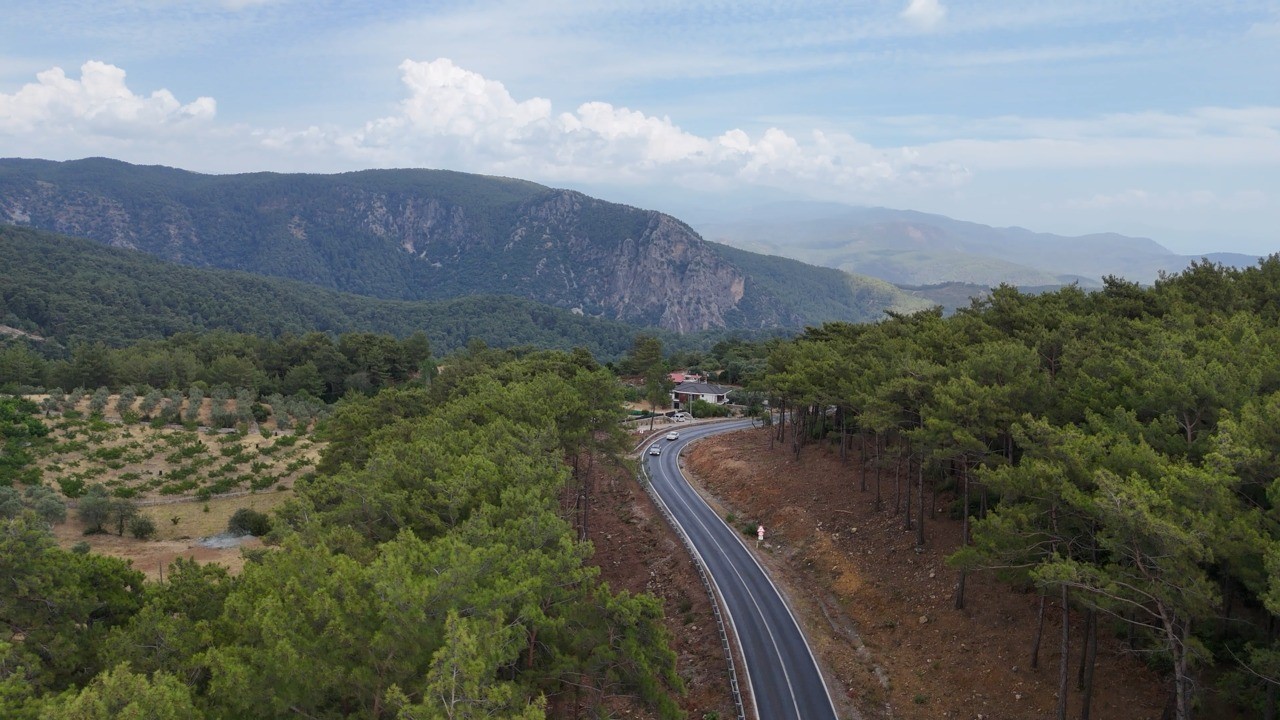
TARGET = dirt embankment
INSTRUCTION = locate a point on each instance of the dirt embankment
(856, 578)
(637, 551)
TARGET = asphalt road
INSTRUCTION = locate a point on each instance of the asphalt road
(784, 679)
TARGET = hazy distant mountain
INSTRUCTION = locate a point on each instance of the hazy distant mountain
(423, 234)
(914, 248)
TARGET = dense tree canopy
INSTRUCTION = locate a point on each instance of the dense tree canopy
(433, 568)
(1116, 450)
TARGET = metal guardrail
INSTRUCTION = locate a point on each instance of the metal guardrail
(647, 483)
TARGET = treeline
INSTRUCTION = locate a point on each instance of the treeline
(433, 568)
(1116, 451)
(315, 364)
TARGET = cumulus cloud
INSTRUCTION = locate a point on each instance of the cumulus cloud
(924, 14)
(453, 117)
(99, 103)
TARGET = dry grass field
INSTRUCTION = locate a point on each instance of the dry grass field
(189, 479)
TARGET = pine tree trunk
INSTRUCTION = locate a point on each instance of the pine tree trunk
(1065, 659)
(920, 519)
(844, 445)
(879, 497)
(1089, 619)
(862, 461)
(1182, 677)
(795, 432)
(964, 533)
(1035, 645)
(897, 482)
(906, 512)
(1087, 665)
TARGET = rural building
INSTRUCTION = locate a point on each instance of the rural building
(687, 392)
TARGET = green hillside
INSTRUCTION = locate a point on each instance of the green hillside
(434, 235)
(71, 290)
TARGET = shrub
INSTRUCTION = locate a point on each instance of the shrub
(95, 509)
(247, 521)
(701, 408)
(142, 527)
(72, 487)
(195, 397)
(98, 402)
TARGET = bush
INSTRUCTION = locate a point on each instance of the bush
(142, 527)
(95, 509)
(247, 521)
(701, 409)
(72, 487)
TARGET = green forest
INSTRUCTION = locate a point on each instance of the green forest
(429, 569)
(71, 291)
(1117, 451)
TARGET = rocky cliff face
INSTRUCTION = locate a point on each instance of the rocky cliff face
(656, 272)
(405, 234)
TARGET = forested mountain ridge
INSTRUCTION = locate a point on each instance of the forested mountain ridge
(429, 234)
(70, 290)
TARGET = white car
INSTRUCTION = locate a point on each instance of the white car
(673, 435)
(655, 450)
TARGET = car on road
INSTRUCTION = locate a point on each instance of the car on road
(655, 450)
(673, 435)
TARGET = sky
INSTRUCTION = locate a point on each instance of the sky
(1157, 118)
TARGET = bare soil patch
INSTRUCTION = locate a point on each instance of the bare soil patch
(637, 551)
(855, 578)
(175, 540)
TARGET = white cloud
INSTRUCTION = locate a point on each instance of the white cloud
(924, 14)
(459, 119)
(99, 103)
(455, 118)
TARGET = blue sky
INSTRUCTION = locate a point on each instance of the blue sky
(1148, 117)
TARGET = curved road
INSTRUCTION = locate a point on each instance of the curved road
(784, 679)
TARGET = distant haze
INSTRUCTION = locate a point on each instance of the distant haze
(912, 248)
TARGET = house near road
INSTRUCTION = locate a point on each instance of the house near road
(684, 377)
(686, 392)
